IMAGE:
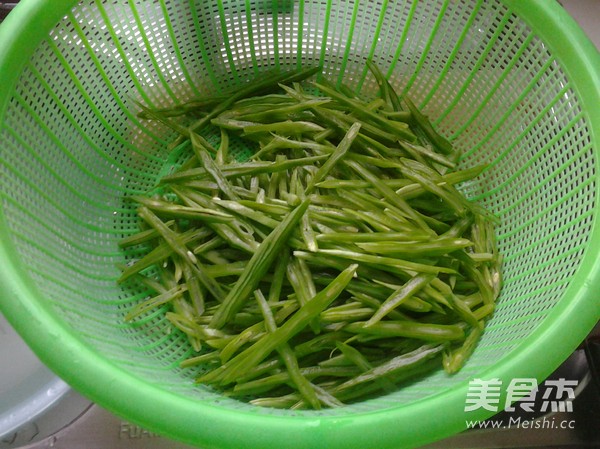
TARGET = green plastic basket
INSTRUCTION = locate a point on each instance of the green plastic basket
(512, 83)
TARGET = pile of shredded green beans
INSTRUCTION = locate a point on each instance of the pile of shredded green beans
(337, 262)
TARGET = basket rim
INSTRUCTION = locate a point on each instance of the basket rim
(149, 406)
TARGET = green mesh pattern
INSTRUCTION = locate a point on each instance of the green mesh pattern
(73, 148)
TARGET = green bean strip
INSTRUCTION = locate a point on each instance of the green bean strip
(441, 143)
(437, 247)
(321, 259)
(487, 290)
(289, 358)
(200, 149)
(278, 112)
(194, 287)
(262, 369)
(167, 209)
(154, 302)
(346, 316)
(230, 234)
(462, 309)
(175, 243)
(223, 151)
(412, 190)
(341, 121)
(374, 303)
(200, 360)
(160, 253)
(358, 109)
(252, 356)
(308, 234)
(279, 142)
(360, 184)
(142, 236)
(454, 359)
(300, 278)
(249, 334)
(399, 296)
(389, 194)
(252, 89)
(213, 243)
(257, 266)
(188, 107)
(324, 396)
(253, 214)
(368, 237)
(279, 276)
(276, 402)
(367, 389)
(359, 360)
(243, 169)
(389, 261)
(387, 91)
(294, 401)
(190, 327)
(424, 151)
(224, 270)
(287, 128)
(321, 342)
(400, 363)
(313, 372)
(278, 208)
(164, 119)
(409, 329)
(423, 176)
(336, 156)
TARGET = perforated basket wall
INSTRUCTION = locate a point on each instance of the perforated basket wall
(494, 81)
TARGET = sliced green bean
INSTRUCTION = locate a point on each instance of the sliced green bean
(359, 360)
(437, 247)
(154, 302)
(142, 236)
(454, 359)
(228, 233)
(194, 287)
(257, 266)
(398, 128)
(159, 254)
(409, 329)
(388, 261)
(368, 237)
(442, 144)
(256, 353)
(334, 158)
(251, 333)
(389, 194)
(203, 359)
(399, 296)
(275, 380)
(253, 88)
(167, 209)
(200, 147)
(239, 169)
(289, 358)
(186, 255)
(300, 278)
(400, 363)
(430, 180)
